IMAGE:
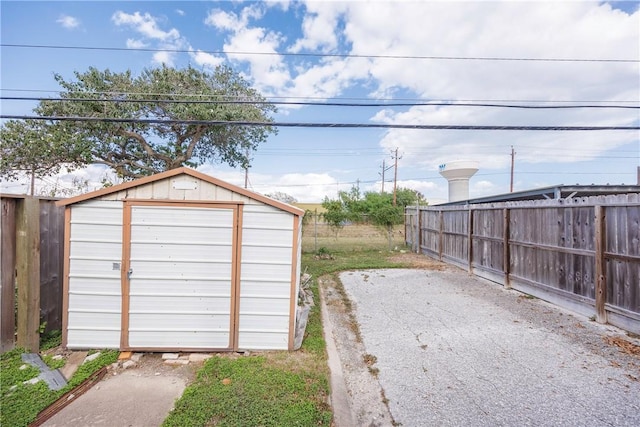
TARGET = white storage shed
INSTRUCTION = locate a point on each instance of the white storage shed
(180, 261)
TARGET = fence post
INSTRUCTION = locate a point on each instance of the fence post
(470, 239)
(28, 272)
(419, 232)
(506, 258)
(440, 237)
(315, 231)
(601, 280)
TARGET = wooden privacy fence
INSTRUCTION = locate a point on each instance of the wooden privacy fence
(583, 253)
(32, 232)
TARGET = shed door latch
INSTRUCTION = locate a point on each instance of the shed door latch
(129, 273)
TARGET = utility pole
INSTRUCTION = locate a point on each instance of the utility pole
(395, 175)
(513, 157)
(384, 169)
(246, 170)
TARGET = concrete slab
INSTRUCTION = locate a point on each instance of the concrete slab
(126, 399)
(73, 362)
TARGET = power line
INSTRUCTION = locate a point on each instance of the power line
(317, 55)
(310, 103)
(447, 101)
(320, 125)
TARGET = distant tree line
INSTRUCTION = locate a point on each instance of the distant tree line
(369, 208)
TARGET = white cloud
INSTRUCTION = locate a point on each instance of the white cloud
(164, 57)
(180, 12)
(144, 24)
(68, 22)
(320, 27)
(281, 4)
(304, 187)
(206, 59)
(148, 27)
(135, 44)
(266, 70)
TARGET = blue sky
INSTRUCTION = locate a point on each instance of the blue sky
(310, 163)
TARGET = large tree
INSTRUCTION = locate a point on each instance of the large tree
(156, 105)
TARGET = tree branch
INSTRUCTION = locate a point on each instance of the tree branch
(145, 145)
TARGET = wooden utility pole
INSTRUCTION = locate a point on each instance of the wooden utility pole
(246, 170)
(384, 169)
(395, 176)
(513, 157)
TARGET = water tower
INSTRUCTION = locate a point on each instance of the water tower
(458, 174)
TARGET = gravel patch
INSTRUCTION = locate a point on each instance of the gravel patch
(449, 349)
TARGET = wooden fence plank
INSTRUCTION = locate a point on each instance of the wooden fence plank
(600, 246)
(51, 262)
(470, 240)
(506, 260)
(8, 269)
(28, 273)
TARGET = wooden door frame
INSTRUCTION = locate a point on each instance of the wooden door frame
(236, 256)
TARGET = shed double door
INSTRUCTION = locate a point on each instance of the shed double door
(179, 276)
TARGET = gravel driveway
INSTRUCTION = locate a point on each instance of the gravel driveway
(454, 350)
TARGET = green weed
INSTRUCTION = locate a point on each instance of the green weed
(20, 403)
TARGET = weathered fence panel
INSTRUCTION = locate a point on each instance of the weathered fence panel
(581, 253)
(32, 262)
(7, 284)
(51, 264)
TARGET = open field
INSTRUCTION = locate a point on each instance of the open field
(353, 237)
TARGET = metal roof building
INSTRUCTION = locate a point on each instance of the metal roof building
(553, 192)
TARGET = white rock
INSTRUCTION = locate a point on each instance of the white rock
(170, 356)
(128, 364)
(199, 357)
(91, 357)
(32, 380)
(137, 356)
(23, 367)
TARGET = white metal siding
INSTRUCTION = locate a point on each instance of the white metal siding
(165, 190)
(180, 286)
(95, 255)
(265, 282)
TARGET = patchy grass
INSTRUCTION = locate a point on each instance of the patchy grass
(349, 260)
(251, 391)
(21, 404)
